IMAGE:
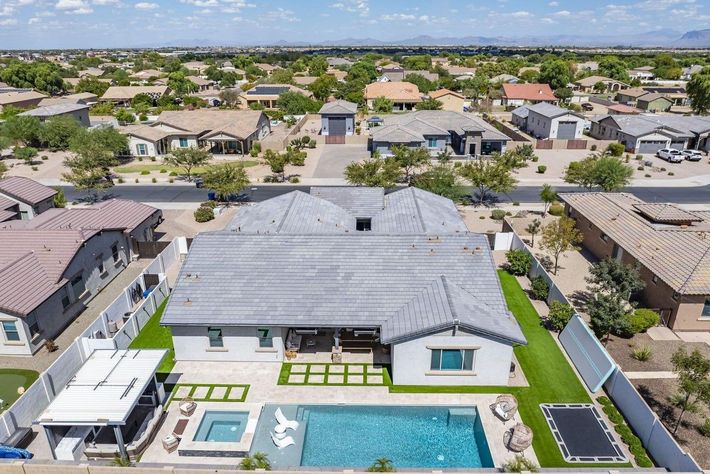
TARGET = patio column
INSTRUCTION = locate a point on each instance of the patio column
(119, 441)
(50, 440)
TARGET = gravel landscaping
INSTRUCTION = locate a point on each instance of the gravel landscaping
(620, 349)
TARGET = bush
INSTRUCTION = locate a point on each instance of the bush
(647, 175)
(559, 315)
(639, 157)
(154, 180)
(45, 157)
(535, 158)
(204, 214)
(642, 319)
(539, 288)
(593, 148)
(481, 217)
(615, 149)
(209, 204)
(163, 170)
(312, 143)
(670, 173)
(145, 172)
(173, 173)
(627, 436)
(121, 181)
(705, 428)
(556, 209)
(642, 353)
(541, 169)
(515, 203)
(519, 262)
(640, 168)
(294, 180)
(497, 214)
(520, 464)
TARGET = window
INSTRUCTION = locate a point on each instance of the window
(183, 143)
(265, 339)
(11, 332)
(363, 224)
(65, 300)
(141, 149)
(114, 253)
(452, 359)
(654, 279)
(31, 321)
(605, 237)
(215, 337)
(100, 264)
(77, 284)
(431, 142)
(706, 308)
(676, 295)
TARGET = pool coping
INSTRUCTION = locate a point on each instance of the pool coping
(189, 447)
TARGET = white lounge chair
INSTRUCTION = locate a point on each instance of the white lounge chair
(282, 443)
(283, 421)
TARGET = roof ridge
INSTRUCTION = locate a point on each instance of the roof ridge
(288, 210)
(419, 211)
(701, 260)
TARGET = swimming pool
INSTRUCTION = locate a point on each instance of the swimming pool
(409, 436)
(222, 426)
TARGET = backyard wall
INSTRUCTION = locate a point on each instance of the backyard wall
(240, 344)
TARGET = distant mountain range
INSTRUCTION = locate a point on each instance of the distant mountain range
(660, 38)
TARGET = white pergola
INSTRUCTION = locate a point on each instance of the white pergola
(103, 392)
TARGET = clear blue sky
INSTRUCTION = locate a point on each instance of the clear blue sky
(115, 23)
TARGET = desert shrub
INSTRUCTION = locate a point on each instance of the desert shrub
(670, 173)
(145, 172)
(647, 175)
(45, 157)
(560, 314)
(121, 180)
(541, 169)
(154, 180)
(519, 262)
(642, 319)
(535, 158)
(539, 289)
(593, 148)
(520, 464)
(515, 203)
(705, 428)
(482, 217)
(294, 180)
(173, 173)
(641, 353)
(639, 157)
(204, 214)
(556, 209)
(497, 214)
(312, 143)
(209, 204)
(615, 149)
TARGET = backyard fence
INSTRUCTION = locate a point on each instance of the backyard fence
(98, 335)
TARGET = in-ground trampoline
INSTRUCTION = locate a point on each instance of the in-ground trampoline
(582, 434)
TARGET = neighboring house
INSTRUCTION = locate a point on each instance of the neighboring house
(450, 100)
(304, 80)
(399, 75)
(78, 112)
(649, 133)
(677, 95)
(642, 73)
(198, 66)
(688, 72)
(404, 95)
(147, 74)
(549, 121)
(668, 246)
(338, 119)
(51, 266)
(122, 95)
(19, 99)
(337, 74)
(201, 83)
(31, 197)
(9, 209)
(621, 109)
(86, 98)
(221, 131)
(91, 71)
(507, 78)
(266, 95)
(630, 96)
(459, 71)
(267, 68)
(587, 84)
(515, 95)
(335, 62)
(654, 102)
(588, 66)
(398, 275)
(438, 131)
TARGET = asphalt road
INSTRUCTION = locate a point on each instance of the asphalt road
(156, 193)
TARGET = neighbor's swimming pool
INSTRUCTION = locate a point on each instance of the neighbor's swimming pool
(222, 426)
(409, 436)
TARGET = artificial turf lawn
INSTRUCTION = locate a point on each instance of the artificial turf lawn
(10, 381)
(549, 375)
(155, 336)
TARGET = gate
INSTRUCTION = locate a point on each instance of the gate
(576, 144)
(544, 145)
(335, 139)
(150, 249)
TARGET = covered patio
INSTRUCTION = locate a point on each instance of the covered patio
(220, 142)
(110, 407)
(347, 345)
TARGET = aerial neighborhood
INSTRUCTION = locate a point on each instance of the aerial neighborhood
(354, 257)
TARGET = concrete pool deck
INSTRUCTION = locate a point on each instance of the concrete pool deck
(263, 377)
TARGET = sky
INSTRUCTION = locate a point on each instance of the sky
(34, 24)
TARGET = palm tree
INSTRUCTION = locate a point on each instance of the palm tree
(381, 465)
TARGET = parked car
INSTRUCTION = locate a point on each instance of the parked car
(587, 106)
(692, 155)
(671, 155)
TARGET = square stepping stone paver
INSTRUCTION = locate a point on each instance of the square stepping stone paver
(356, 369)
(356, 379)
(316, 378)
(218, 393)
(299, 369)
(200, 392)
(182, 392)
(336, 369)
(374, 379)
(297, 378)
(317, 369)
(374, 370)
(235, 393)
(336, 378)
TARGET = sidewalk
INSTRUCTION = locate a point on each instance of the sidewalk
(660, 374)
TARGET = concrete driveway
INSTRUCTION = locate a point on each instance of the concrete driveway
(334, 159)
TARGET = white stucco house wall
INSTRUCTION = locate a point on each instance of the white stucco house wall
(548, 121)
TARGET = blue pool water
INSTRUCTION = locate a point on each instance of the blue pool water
(409, 436)
(222, 426)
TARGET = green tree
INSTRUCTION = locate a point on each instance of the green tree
(611, 174)
(533, 229)
(382, 105)
(226, 179)
(607, 314)
(417, 62)
(295, 103)
(40, 75)
(23, 129)
(440, 179)
(614, 68)
(556, 73)
(410, 160)
(611, 276)
(277, 162)
(25, 153)
(430, 104)
(180, 84)
(323, 87)
(57, 132)
(229, 97)
(281, 76)
(561, 235)
(698, 89)
(693, 381)
(317, 66)
(124, 116)
(424, 84)
(547, 196)
(89, 167)
(60, 199)
(487, 176)
(92, 85)
(3, 169)
(374, 172)
(564, 94)
(188, 159)
(599, 87)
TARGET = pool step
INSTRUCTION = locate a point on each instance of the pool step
(462, 416)
(302, 414)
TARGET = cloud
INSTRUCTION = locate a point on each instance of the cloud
(564, 13)
(521, 14)
(398, 17)
(146, 6)
(361, 7)
(74, 7)
(281, 14)
(33, 20)
(8, 22)
(553, 4)
(6, 10)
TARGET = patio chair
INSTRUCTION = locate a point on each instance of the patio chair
(170, 443)
(282, 443)
(283, 421)
(519, 438)
(187, 406)
(505, 407)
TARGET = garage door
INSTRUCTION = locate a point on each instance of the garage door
(650, 146)
(678, 145)
(336, 126)
(565, 130)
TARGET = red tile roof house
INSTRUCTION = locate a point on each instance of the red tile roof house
(515, 95)
(32, 197)
(52, 265)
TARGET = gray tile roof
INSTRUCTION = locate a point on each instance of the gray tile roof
(339, 107)
(550, 111)
(408, 285)
(56, 109)
(522, 111)
(447, 120)
(25, 189)
(359, 201)
(637, 125)
(396, 134)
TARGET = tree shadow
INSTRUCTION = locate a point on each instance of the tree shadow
(664, 410)
(488, 200)
(579, 298)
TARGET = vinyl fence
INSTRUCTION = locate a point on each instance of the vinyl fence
(98, 335)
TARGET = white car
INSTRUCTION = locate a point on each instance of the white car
(671, 155)
(692, 155)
